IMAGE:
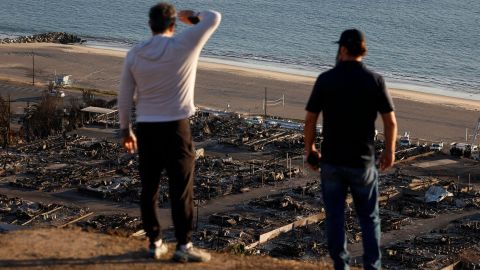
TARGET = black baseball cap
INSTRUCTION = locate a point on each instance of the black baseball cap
(351, 37)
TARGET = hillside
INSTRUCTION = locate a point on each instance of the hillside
(76, 249)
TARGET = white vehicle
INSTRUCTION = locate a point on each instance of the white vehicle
(436, 146)
(405, 139)
(254, 120)
(62, 80)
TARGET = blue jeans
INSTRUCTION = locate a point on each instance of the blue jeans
(363, 184)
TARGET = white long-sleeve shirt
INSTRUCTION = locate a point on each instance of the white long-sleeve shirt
(161, 72)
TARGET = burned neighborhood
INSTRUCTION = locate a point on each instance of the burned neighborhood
(62, 166)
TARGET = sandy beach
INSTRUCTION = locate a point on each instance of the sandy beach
(425, 116)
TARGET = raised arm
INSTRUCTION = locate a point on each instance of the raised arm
(203, 24)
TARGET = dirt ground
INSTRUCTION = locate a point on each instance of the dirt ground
(75, 249)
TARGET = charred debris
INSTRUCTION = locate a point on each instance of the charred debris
(291, 224)
(239, 155)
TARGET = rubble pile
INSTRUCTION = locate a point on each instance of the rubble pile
(223, 176)
(311, 189)
(18, 212)
(301, 242)
(227, 230)
(214, 177)
(285, 202)
(121, 224)
(15, 211)
(435, 250)
(232, 129)
(402, 202)
(102, 168)
(66, 162)
(54, 177)
(209, 125)
(245, 225)
(65, 148)
(10, 163)
(414, 204)
(404, 153)
(391, 221)
(50, 37)
(100, 150)
(310, 244)
(117, 189)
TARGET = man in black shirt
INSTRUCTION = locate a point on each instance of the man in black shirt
(350, 96)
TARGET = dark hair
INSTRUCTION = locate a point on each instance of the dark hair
(354, 41)
(356, 49)
(162, 16)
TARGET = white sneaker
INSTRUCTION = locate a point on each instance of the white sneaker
(157, 250)
(187, 253)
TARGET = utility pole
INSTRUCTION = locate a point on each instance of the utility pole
(265, 104)
(8, 121)
(33, 68)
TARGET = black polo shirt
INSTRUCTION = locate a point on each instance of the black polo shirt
(350, 97)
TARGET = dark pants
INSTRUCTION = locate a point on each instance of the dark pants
(167, 145)
(363, 184)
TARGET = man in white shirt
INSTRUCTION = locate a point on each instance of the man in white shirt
(161, 73)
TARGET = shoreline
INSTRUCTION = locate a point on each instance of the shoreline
(396, 85)
(254, 69)
(407, 94)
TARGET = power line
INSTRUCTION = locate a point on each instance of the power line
(276, 102)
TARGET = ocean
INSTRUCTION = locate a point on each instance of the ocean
(422, 45)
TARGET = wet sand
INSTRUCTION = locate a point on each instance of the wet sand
(426, 116)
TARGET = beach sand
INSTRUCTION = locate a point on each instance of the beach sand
(425, 116)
